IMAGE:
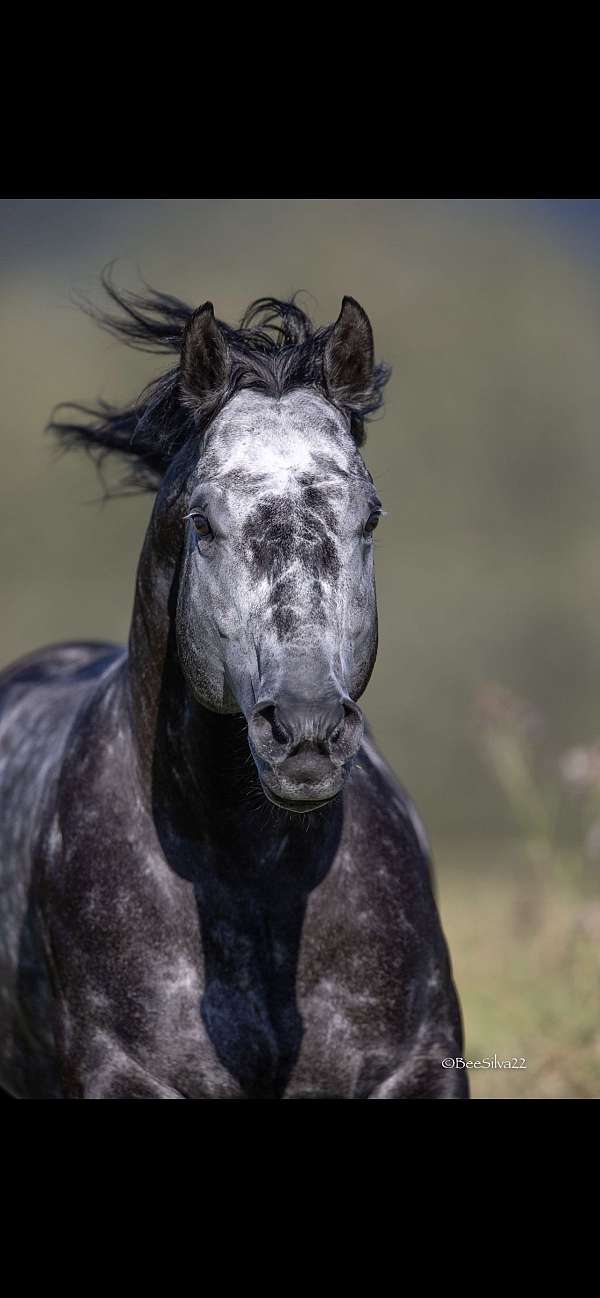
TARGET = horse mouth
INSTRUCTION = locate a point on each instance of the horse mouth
(300, 808)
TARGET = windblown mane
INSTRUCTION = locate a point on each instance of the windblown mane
(275, 349)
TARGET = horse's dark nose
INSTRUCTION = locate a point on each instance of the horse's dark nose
(300, 731)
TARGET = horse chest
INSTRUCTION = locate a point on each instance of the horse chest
(267, 1032)
(258, 1044)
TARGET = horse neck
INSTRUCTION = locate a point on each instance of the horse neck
(195, 765)
(148, 651)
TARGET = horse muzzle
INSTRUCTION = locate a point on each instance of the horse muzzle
(303, 749)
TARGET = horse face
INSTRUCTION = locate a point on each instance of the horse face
(276, 612)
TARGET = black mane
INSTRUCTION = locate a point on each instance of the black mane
(275, 349)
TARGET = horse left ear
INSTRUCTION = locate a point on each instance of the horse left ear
(349, 353)
(204, 354)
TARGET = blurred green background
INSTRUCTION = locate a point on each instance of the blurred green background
(487, 457)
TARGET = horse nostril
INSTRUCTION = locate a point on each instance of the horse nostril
(345, 737)
(268, 713)
(268, 734)
(336, 726)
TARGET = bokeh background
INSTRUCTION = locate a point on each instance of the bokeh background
(485, 695)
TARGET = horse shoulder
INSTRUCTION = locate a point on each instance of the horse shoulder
(386, 828)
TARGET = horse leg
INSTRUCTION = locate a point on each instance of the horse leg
(424, 1079)
(114, 1075)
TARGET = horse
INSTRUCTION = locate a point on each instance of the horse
(212, 884)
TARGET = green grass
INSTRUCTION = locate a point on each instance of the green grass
(524, 950)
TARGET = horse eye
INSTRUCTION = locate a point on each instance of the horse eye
(371, 523)
(201, 524)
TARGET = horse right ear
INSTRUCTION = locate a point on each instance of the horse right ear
(204, 354)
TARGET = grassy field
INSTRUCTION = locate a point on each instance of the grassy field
(525, 956)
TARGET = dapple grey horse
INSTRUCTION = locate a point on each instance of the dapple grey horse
(212, 885)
